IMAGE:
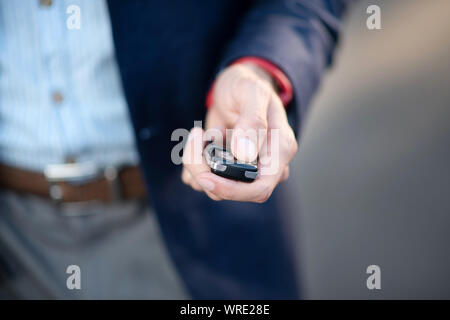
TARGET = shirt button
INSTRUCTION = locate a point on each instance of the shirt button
(45, 3)
(57, 97)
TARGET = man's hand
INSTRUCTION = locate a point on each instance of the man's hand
(245, 101)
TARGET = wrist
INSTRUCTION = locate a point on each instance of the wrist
(267, 71)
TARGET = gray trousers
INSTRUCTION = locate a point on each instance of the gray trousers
(117, 248)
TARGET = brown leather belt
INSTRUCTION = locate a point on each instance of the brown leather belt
(76, 182)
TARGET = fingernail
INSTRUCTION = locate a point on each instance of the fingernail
(246, 149)
(206, 184)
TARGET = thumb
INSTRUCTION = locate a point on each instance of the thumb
(250, 130)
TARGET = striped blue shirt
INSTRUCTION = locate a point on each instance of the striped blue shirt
(60, 90)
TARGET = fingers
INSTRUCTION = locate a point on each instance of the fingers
(284, 142)
(200, 178)
(253, 96)
(225, 189)
(215, 127)
(241, 96)
(187, 179)
(197, 174)
(258, 191)
(273, 169)
(193, 161)
(195, 165)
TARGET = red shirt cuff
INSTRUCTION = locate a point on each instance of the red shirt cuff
(285, 91)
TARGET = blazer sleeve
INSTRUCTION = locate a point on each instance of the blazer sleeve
(298, 36)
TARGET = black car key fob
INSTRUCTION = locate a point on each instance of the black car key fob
(224, 164)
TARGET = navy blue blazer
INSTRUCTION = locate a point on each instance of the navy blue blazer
(168, 54)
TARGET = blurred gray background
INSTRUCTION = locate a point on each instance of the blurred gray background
(373, 168)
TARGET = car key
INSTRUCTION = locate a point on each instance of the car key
(224, 164)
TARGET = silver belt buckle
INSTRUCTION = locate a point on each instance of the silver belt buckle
(73, 173)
